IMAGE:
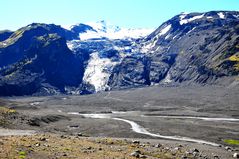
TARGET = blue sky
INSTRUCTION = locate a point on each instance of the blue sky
(126, 13)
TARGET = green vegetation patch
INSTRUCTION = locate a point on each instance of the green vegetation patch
(22, 154)
(232, 142)
(234, 57)
(4, 110)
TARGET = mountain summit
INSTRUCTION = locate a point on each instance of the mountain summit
(103, 29)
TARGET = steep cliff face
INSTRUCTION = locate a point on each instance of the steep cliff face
(47, 67)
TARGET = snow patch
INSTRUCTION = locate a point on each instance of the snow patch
(167, 79)
(70, 45)
(175, 37)
(221, 15)
(165, 30)
(191, 30)
(168, 36)
(67, 27)
(185, 21)
(236, 16)
(97, 72)
(150, 45)
(182, 16)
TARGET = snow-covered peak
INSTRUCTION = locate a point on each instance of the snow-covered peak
(103, 29)
(103, 26)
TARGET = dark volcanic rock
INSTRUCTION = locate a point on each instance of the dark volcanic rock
(48, 60)
(202, 44)
(131, 72)
(5, 34)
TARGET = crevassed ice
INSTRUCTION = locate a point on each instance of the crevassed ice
(185, 21)
(97, 72)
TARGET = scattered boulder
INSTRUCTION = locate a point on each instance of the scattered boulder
(235, 155)
(136, 153)
(228, 148)
(216, 157)
(136, 142)
(79, 134)
(158, 145)
(42, 139)
(34, 122)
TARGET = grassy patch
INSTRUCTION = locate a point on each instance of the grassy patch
(232, 142)
(22, 154)
(234, 58)
(6, 111)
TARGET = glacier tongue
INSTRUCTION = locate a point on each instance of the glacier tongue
(97, 72)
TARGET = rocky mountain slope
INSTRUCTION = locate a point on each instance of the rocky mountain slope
(190, 48)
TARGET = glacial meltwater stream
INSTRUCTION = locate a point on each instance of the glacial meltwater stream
(141, 130)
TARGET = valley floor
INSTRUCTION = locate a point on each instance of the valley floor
(195, 117)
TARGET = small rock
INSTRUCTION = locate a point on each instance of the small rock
(63, 137)
(28, 145)
(166, 148)
(195, 154)
(74, 126)
(89, 148)
(177, 148)
(228, 148)
(216, 157)
(195, 150)
(236, 155)
(100, 149)
(180, 145)
(42, 139)
(142, 145)
(79, 134)
(158, 145)
(142, 156)
(46, 145)
(136, 142)
(37, 144)
(136, 153)
(188, 152)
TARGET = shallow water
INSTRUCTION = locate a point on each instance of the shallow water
(141, 130)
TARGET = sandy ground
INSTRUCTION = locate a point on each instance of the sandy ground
(159, 110)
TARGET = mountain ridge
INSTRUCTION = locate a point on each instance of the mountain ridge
(190, 48)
